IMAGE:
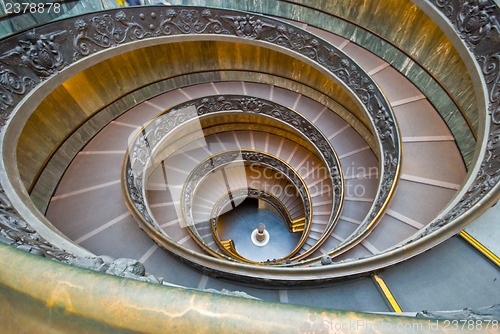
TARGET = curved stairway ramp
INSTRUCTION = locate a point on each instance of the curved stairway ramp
(426, 146)
(412, 224)
(242, 183)
(214, 187)
(432, 169)
(432, 172)
(148, 141)
(361, 166)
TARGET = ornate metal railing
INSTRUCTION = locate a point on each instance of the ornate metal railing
(255, 193)
(142, 149)
(223, 159)
(482, 42)
(93, 33)
(475, 23)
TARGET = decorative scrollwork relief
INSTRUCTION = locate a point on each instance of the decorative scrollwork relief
(490, 65)
(445, 6)
(476, 22)
(190, 21)
(16, 232)
(247, 26)
(10, 84)
(39, 52)
(141, 150)
(224, 159)
(103, 31)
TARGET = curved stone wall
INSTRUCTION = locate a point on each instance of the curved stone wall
(433, 64)
(66, 107)
(43, 187)
(86, 44)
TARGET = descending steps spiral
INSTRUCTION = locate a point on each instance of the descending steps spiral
(369, 158)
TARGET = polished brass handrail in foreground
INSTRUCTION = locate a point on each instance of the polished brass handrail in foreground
(61, 302)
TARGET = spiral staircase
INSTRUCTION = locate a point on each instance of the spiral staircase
(143, 148)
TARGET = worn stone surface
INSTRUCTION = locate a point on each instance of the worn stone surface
(485, 313)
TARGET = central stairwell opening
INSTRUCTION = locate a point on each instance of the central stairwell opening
(238, 223)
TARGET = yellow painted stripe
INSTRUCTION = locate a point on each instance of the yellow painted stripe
(387, 293)
(480, 247)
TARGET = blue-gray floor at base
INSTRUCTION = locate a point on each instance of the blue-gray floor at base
(239, 223)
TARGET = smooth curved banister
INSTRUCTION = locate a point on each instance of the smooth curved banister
(46, 296)
(42, 295)
(147, 140)
(223, 159)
